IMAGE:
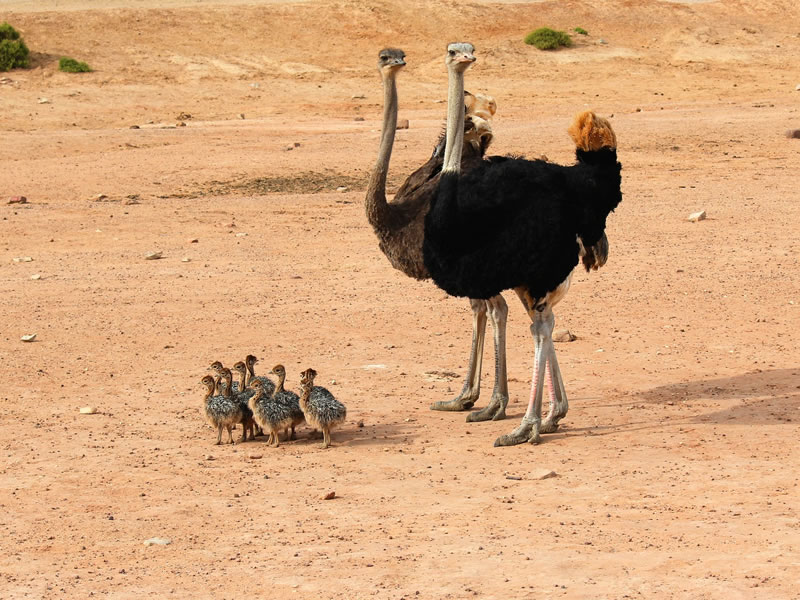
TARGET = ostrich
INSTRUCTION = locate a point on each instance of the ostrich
(399, 226)
(523, 225)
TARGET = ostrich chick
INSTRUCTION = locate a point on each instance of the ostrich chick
(268, 413)
(289, 398)
(269, 385)
(220, 411)
(322, 410)
(241, 399)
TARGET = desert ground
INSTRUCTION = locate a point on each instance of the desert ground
(677, 466)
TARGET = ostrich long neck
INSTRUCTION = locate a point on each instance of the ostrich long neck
(376, 205)
(279, 385)
(255, 397)
(455, 122)
(250, 374)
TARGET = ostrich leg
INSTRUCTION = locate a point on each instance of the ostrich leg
(558, 396)
(472, 383)
(496, 409)
(529, 429)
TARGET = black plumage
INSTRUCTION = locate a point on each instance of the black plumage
(512, 222)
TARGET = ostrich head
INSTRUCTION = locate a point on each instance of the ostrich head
(256, 384)
(460, 56)
(307, 377)
(279, 371)
(216, 366)
(591, 133)
(240, 367)
(390, 61)
(209, 382)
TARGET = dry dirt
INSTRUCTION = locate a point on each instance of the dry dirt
(677, 464)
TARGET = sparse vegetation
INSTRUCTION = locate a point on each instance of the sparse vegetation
(545, 38)
(581, 31)
(13, 51)
(70, 65)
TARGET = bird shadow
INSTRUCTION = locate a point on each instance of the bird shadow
(351, 434)
(764, 397)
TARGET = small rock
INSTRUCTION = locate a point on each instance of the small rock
(544, 475)
(99, 198)
(329, 496)
(255, 86)
(697, 216)
(360, 424)
(513, 478)
(186, 259)
(180, 124)
(153, 255)
(88, 410)
(23, 259)
(241, 116)
(790, 133)
(241, 234)
(134, 127)
(358, 97)
(341, 189)
(183, 116)
(44, 101)
(402, 124)
(289, 148)
(36, 276)
(797, 87)
(255, 456)
(18, 200)
(193, 241)
(157, 541)
(563, 335)
(209, 457)
(358, 119)
(28, 338)
(601, 41)
(132, 201)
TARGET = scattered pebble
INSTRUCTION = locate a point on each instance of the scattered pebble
(134, 127)
(241, 234)
(209, 457)
(28, 338)
(402, 124)
(36, 276)
(697, 216)
(358, 119)
(797, 87)
(514, 477)
(193, 241)
(157, 541)
(186, 259)
(153, 255)
(88, 410)
(132, 201)
(563, 335)
(255, 456)
(241, 116)
(790, 133)
(544, 475)
(44, 101)
(360, 424)
(341, 189)
(329, 496)
(99, 198)
(358, 97)
(23, 259)
(18, 200)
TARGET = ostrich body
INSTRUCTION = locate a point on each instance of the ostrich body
(321, 409)
(400, 228)
(221, 412)
(240, 398)
(270, 415)
(287, 398)
(522, 225)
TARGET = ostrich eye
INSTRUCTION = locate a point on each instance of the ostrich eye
(451, 52)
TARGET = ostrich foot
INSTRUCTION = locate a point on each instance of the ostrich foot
(527, 431)
(457, 404)
(495, 411)
(550, 425)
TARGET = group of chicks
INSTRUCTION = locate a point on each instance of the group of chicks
(258, 403)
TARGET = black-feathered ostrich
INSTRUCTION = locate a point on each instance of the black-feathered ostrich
(523, 225)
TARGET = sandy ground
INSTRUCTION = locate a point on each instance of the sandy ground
(677, 464)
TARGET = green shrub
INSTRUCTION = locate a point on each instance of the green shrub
(581, 30)
(13, 51)
(545, 38)
(70, 65)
